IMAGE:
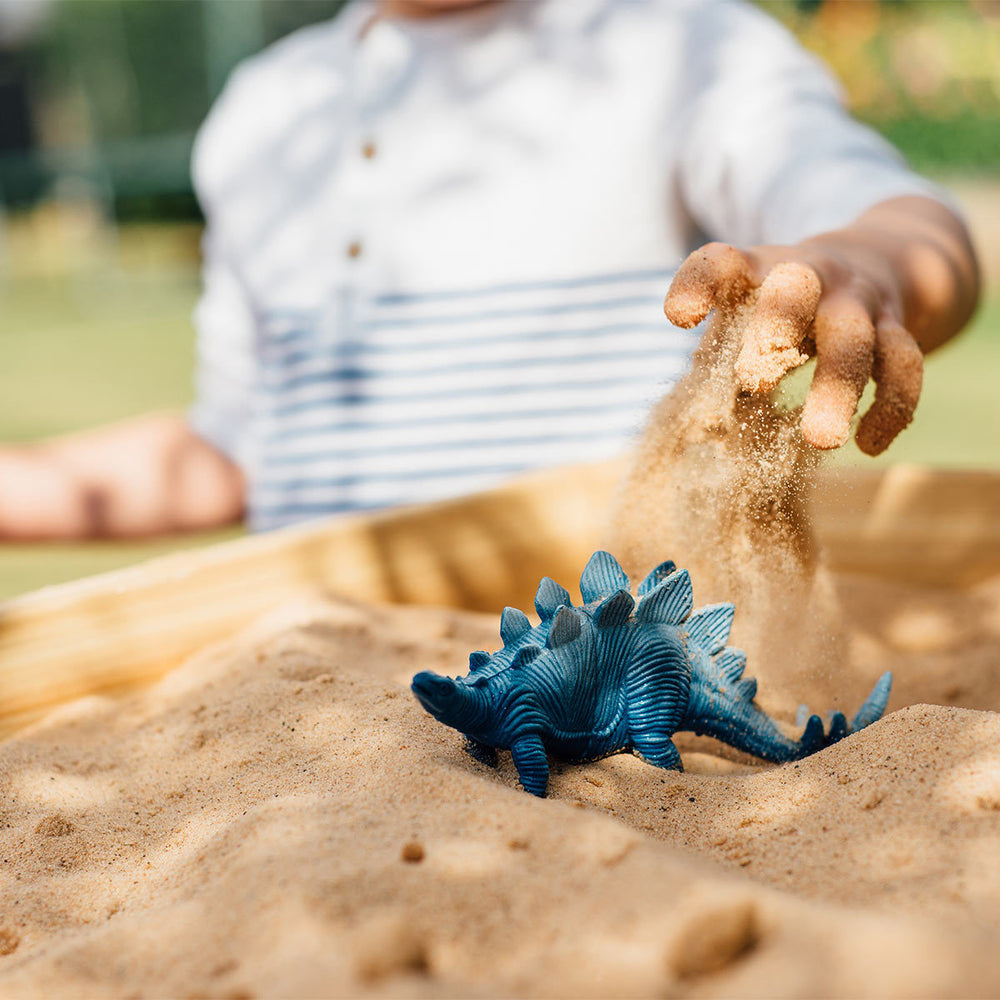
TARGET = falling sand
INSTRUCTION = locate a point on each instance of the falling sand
(718, 485)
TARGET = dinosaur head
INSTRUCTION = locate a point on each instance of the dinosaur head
(437, 694)
(449, 701)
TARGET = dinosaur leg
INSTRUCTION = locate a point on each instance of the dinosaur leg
(656, 691)
(531, 763)
(481, 751)
(658, 752)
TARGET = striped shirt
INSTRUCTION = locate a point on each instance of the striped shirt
(437, 251)
(445, 393)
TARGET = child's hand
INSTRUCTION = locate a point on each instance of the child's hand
(808, 303)
(147, 475)
(858, 299)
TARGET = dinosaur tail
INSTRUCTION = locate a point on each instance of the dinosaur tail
(721, 702)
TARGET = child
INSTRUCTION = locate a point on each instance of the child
(438, 236)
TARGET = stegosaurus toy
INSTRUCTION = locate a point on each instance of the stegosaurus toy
(611, 676)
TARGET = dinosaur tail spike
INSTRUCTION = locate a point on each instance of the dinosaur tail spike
(550, 595)
(838, 728)
(731, 663)
(709, 627)
(656, 577)
(727, 668)
(813, 737)
(601, 577)
(874, 706)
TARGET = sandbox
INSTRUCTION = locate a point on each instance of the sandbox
(276, 816)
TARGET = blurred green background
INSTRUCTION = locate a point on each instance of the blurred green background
(99, 243)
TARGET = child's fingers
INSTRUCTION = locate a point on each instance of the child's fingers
(786, 305)
(845, 341)
(716, 274)
(899, 373)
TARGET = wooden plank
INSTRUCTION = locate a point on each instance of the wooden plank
(925, 526)
(120, 628)
(479, 552)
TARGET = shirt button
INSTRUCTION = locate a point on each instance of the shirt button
(354, 249)
(368, 150)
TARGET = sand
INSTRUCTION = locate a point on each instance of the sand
(279, 817)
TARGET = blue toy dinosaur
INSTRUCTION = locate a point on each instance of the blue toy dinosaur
(611, 676)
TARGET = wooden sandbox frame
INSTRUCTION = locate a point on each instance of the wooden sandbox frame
(111, 632)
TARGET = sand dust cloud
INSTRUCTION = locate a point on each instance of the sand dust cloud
(718, 484)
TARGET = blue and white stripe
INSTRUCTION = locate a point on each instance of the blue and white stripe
(424, 396)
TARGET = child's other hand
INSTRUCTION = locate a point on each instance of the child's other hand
(148, 475)
(867, 300)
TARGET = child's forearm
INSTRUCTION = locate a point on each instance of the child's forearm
(147, 476)
(868, 300)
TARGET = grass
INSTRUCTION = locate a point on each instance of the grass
(90, 350)
(87, 348)
(966, 142)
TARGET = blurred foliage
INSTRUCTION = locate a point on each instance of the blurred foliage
(964, 143)
(113, 51)
(118, 88)
(112, 54)
(926, 73)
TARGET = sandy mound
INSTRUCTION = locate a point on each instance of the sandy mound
(279, 817)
